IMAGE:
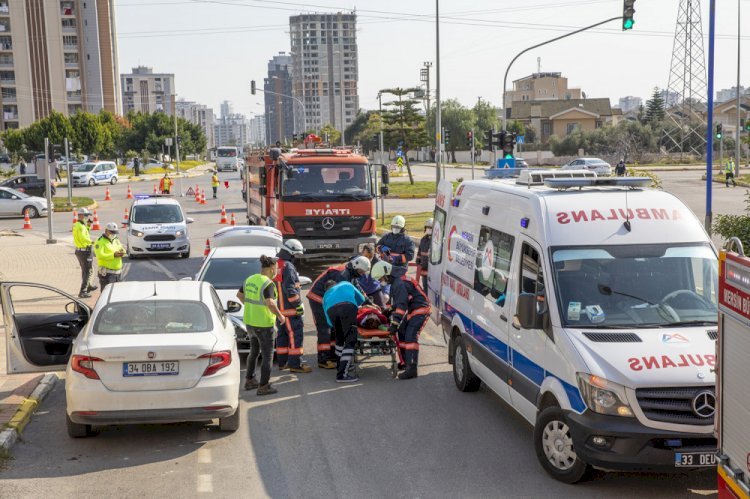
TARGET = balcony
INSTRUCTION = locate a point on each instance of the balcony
(6, 61)
(74, 96)
(4, 9)
(8, 94)
(6, 43)
(10, 116)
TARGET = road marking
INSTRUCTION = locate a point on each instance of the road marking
(164, 269)
(204, 455)
(353, 385)
(205, 483)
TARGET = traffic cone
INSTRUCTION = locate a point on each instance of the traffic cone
(26, 221)
(223, 215)
(203, 196)
(125, 219)
(155, 191)
(95, 225)
(75, 216)
(205, 251)
(233, 222)
(197, 194)
(107, 197)
(130, 193)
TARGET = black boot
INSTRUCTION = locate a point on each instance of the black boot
(409, 373)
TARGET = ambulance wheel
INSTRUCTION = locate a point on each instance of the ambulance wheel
(465, 379)
(554, 448)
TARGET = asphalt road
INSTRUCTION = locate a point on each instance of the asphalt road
(315, 438)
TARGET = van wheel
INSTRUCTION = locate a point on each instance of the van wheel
(113, 180)
(230, 423)
(92, 182)
(554, 448)
(465, 379)
(77, 430)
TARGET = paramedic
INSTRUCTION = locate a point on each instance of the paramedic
(341, 303)
(369, 286)
(423, 253)
(396, 247)
(289, 341)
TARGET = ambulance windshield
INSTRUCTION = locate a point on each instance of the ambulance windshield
(636, 286)
(326, 182)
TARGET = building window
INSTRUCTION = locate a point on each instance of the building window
(546, 129)
(570, 128)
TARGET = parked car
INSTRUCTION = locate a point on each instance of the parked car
(521, 163)
(5, 159)
(95, 173)
(170, 357)
(29, 184)
(14, 203)
(151, 163)
(599, 166)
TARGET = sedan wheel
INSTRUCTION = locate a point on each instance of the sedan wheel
(31, 211)
(230, 423)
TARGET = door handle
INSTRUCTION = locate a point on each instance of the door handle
(503, 318)
(62, 325)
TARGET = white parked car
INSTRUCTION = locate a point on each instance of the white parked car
(95, 173)
(599, 166)
(149, 352)
(16, 203)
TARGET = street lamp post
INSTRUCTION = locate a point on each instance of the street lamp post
(438, 116)
(739, 106)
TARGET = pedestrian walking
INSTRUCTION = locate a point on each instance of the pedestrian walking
(109, 253)
(341, 303)
(729, 173)
(165, 184)
(83, 252)
(289, 349)
(620, 168)
(261, 312)
(54, 166)
(423, 253)
(137, 166)
(22, 167)
(214, 182)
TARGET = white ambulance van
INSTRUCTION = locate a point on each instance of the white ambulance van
(589, 305)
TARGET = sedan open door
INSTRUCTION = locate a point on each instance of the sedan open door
(41, 324)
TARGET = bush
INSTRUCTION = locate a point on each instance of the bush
(735, 225)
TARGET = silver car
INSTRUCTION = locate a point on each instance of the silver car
(16, 203)
(599, 166)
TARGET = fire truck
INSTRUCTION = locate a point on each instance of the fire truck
(732, 425)
(326, 198)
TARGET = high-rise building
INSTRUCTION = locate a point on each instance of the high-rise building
(56, 55)
(226, 109)
(727, 94)
(629, 103)
(258, 130)
(200, 115)
(146, 91)
(325, 61)
(279, 102)
(231, 129)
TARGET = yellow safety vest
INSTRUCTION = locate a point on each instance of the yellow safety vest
(81, 237)
(214, 181)
(105, 250)
(257, 313)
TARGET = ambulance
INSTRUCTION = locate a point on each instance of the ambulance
(588, 304)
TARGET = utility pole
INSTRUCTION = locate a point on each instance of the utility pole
(472, 154)
(70, 174)
(177, 143)
(48, 188)
(380, 139)
(739, 107)
(438, 117)
(710, 115)
(424, 77)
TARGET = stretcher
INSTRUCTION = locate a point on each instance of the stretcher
(373, 343)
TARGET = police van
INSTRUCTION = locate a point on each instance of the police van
(157, 226)
(589, 305)
(95, 173)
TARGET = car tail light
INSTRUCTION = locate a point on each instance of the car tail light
(216, 361)
(85, 365)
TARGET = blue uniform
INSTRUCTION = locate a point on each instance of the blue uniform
(410, 310)
(400, 249)
(289, 341)
(340, 304)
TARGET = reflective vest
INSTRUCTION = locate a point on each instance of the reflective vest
(81, 237)
(257, 313)
(729, 168)
(214, 181)
(105, 250)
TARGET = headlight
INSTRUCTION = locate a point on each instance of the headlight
(179, 233)
(136, 233)
(603, 396)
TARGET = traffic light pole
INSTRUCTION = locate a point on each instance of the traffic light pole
(505, 79)
(438, 116)
(710, 115)
(472, 154)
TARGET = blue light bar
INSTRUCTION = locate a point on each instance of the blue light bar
(525, 223)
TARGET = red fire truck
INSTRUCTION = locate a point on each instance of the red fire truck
(732, 425)
(323, 197)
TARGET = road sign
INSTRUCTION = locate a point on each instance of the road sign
(168, 141)
(506, 163)
(520, 139)
(399, 153)
(400, 161)
(190, 192)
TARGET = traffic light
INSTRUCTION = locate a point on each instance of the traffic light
(470, 140)
(294, 137)
(498, 138)
(719, 130)
(628, 11)
(447, 136)
(508, 144)
(488, 134)
(252, 87)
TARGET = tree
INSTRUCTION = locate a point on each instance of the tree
(655, 111)
(351, 134)
(530, 135)
(457, 120)
(369, 135)
(334, 136)
(88, 134)
(516, 127)
(485, 118)
(405, 127)
(13, 141)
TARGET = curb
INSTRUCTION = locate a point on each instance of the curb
(9, 436)
(413, 196)
(93, 206)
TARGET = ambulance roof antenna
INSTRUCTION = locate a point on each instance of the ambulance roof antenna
(626, 224)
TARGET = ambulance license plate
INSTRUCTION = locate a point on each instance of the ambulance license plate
(160, 246)
(694, 459)
(328, 246)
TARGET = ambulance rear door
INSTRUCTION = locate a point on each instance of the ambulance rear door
(435, 270)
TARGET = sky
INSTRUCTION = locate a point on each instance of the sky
(216, 47)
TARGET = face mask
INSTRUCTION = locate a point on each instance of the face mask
(428, 232)
(395, 230)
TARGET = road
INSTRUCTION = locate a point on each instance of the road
(376, 438)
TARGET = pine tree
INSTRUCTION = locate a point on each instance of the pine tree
(655, 111)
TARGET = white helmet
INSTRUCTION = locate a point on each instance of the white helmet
(294, 247)
(429, 223)
(381, 269)
(84, 212)
(360, 263)
(398, 221)
(112, 227)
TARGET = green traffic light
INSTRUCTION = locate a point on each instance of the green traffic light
(508, 156)
(628, 24)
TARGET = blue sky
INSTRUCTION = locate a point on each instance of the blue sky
(215, 47)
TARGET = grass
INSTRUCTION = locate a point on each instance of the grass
(745, 179)
(420, 189)
(414, 222)
(61, 203)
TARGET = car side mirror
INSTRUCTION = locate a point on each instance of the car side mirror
(233, 307)
(14, 197)
(528, 316)
(190, 220)
(304, 281)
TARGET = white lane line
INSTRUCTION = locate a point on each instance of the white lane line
(204, 456)
(163, 269)
(205, 483)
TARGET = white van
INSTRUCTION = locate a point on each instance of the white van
(157, 226)
(589, 305)
(95, 173)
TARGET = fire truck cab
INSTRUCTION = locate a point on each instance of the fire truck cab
(323, 197)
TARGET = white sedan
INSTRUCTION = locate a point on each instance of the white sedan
(149, 352)
(16, 203)
(597, 165)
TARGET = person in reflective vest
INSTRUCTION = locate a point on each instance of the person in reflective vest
(410, 310)
(729, 173)
(165, 184)
(423, 253)
(289, 349)
(396, 247)
(214, 182)
(258, 294)
(84, 252)
(109, 252)
(341, 303)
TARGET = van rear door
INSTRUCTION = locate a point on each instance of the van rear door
(435, 270)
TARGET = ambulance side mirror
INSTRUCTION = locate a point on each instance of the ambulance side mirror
(528, 316)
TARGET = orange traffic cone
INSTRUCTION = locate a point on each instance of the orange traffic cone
(125, 219)
(233, 222)
(75, 216)
(130, 193)
(155, 191)
(95, 225)
(197, 194)
(203, 196)
(107, 197)
(26, 220)
(205, 251)
(223, 215)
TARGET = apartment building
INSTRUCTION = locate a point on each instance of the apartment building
(231, 129)
(629, 104)
(257, 130)
(541, 86)
(280, 105)
(325, 67)
(201, 115)
(146, 91)
(56, 55)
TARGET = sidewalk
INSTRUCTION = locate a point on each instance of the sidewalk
(27, 257)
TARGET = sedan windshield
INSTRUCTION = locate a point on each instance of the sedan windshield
(637, 286)
(153, 317)
(157, 214)
(307, 182)
(230, 273)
